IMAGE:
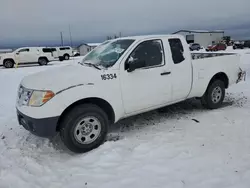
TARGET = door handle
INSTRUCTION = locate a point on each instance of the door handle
(165, 73)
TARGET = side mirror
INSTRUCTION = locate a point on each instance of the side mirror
(131, 65)
(17, 53)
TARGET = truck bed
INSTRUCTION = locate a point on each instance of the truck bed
(206, 65)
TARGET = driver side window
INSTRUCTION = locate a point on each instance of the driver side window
(24, 50)
(149, 52)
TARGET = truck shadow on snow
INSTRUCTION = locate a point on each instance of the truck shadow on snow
(188, 110)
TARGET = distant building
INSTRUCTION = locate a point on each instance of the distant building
(85, 48)
(204, 38)
(5, 51)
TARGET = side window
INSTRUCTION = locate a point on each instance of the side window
(47, 50)
(24, 50)
(148, 52)
(64, 48)
(177, 50)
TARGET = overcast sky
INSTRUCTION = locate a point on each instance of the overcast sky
(92, 20)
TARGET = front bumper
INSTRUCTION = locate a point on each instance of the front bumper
(45, 127)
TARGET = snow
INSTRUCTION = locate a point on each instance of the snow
(183, 145)
(94, 44)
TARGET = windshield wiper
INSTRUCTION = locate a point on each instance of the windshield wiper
(93, 65)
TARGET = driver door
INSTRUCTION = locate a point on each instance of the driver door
(147, 86)
(24, 55)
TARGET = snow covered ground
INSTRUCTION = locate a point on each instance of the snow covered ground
(182, 146)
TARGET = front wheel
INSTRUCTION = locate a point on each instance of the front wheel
(214, 95)
(9, 63)
(84, 128)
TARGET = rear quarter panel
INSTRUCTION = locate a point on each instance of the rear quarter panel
(204, 69)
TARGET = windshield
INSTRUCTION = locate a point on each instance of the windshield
(108, 53)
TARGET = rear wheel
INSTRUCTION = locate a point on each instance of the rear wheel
(84, 128)
(42, 61)
(8, 63)
(66, 56)
(214, 95)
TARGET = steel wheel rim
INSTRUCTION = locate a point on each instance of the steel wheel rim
(8, 64)
(216, 94)
(87, 130)
(43, 61)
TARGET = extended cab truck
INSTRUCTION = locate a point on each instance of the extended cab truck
(27, 55)
(120, 78)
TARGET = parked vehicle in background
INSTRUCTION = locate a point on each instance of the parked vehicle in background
(118, 79)
(76, 53)
(238, 45)
(247, 44)
(62, 52)
(195, 46)
(27, 55)
(217, 47)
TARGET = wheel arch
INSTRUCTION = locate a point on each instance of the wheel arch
(11, 59)
(43, 57)
(220, 76)
(103, 104)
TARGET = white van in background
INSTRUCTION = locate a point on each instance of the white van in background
(27, 55)
(62, 52)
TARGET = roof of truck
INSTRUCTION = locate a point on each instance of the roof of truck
(139, 37)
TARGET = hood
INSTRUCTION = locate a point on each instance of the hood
(9, 54)
(60, 78)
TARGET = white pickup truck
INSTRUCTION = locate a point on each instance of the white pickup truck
(27, 55)
(118, 79)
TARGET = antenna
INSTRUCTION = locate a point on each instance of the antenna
(71, 43)
(61, 38)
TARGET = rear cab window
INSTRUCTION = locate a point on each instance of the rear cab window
(177, 50)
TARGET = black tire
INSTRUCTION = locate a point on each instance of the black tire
(43, 61)
(66, 57)
(210, 102)
(72, 119)
(61, 58)
(8, 63)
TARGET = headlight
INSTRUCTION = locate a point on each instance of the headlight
(38, 98)
(28, 97)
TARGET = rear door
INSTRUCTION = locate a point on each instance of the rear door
(181, 69)
(54, 52)
(47, 52)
